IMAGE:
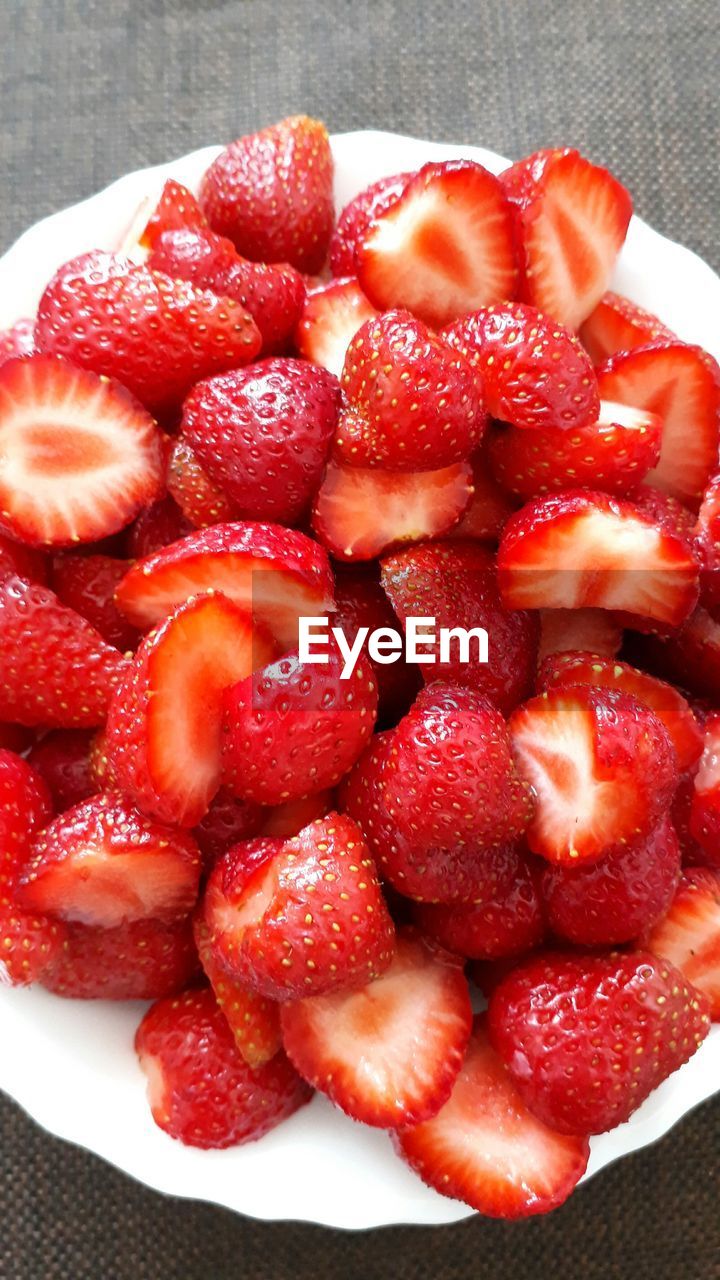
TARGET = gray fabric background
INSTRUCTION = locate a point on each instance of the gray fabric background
(92, 88)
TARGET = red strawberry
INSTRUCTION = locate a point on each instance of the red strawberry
(668, 512)
(87, 584)
(295, 728)
(277, 573)
(57, 670)
(62, 758)
(691, 658)
(682, 385)
(156, 527)
(263, 434)
(288, 819)
(415, 405)
(253, 1020)
(176, 209)
(443, 248)
(617, 324)
(705, 803)
(144, 960)
(571, 218)
(18, 340)
(619, 897)
(707, 546)
(201, 500)
(602, 768)
(689, 935)
(104, 864)
(680, 809)
(271, 194)
(163, 729)
(361, 512)
(358, 216)
(302, 916)
(585, 630)
(363, 1050)
(508, 922)
(586, 1038)
(361, 602)
(486, 1148)
(581, 548)
(227, 821)
(330, 319)
(15, 737)
(17, 560)
(456, 584)
(156, 335)
(614, 454)
(79, 456)
(534, 372)
(100, 767)
(489, 508)
(28, 943)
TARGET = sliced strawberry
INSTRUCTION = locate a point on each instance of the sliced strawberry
(290, 818)
(57, 671)
(571, 219)
(689, 935)
(509, 922)
(358, 216)
(691, 658)
(705, 802)
(489, 508)
(17, 560)
(707, 546)
(227, 821)
(87, 584)
(19, 340)
(276, 573)
(177, 208)
(361, 512)
(144, 960)
(28, 942)
(163, 729)
(253, 1020)
(585, 630)
(443, 248)
(617, 324)
(582, 548)
(79, 456)
(484, 1147)
(361, 602)
(602, 768)
(362, 1047)
(62, 758)
(156, 527)
(201, 500)
(329, 321)
(681, 384)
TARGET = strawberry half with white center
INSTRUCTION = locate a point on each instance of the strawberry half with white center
(583, 548)
(507, 922)
(143, 960)
(358, 216)
(689, 935)
(104, 864)
(571, 218)
(276, 574)
(484, 1147)
(705, 804)
(583, 630)
(617, 324)
(79, 456)
(62, 757)
(253, 1019)
(299, 917)
(163, 729)
(330, 318)
(87, 584)
(389, 1053)
(602, 768)
(443, 248)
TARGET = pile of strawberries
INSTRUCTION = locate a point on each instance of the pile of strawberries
(250, 414)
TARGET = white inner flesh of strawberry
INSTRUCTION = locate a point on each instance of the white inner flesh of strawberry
(106, 890)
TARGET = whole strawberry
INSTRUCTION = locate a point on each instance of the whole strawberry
(142, 960)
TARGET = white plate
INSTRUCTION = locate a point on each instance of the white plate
(71, 1064)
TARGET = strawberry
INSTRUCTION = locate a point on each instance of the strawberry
(57, 670)
(508, 922)
(692, 854)
(17, 560)
(705, 803)
(691, 658)
(562, 670)
(277, 573)
(570, 218)
(358, 216)
(489, 508)
(302, 916)
(361, 512)
(87, 584)
(295, 728)
(227, 821)
(263, 434)
(707, 546)
(201, 500)
(101, 769)
(361, 602)
(486, 1148)
(613, 454)
(669, 512)
(290, 818)
(582, 548)
(689, 935)
(28, 943)
(330, 319)
(253, 1020)
(176, 209)
(617, 324)
(18, 340)
(584, 630)
(535, 374)
(681, 384)
(456, 584)
(79, 456)
(102, 863)
(362, 1050)
(15, 737)
(163, 729)
(143, 960)
(586, 1038)
(156, 527)
(271, 194)
(156, 335)
(602, 768)
(415, 405)
(443, 248)
(62, 758)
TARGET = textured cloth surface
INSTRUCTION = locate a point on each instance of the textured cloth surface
(93, 88)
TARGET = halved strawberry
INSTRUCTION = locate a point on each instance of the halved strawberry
(200, 499)
(585, 630)
(144, 960)
(681, 384)
(360, 512)
(486, 1148)
(443, 248)
(617, 324)
(689, 935)
(582, 548)
(690, 658)
(163, 729)
(389, 1053)
(79, 456)
(571, 219)
(489, 508)
(253, 1019)
(704, 823)
(357, 216)
(277, 574)
(707, 545)
(19, 340)
(87, 584)
(329, 321)
(601, 765)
